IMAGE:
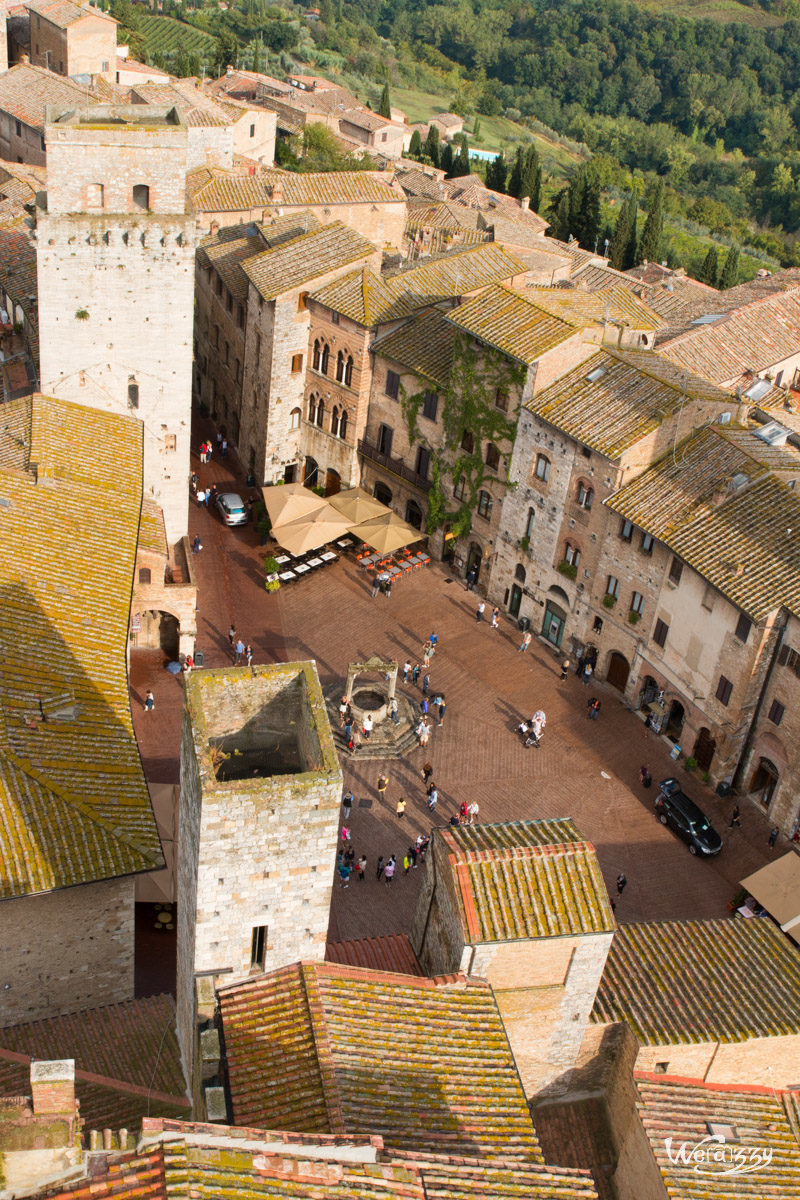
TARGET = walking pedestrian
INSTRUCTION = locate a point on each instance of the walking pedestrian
(238, 651)
(345, 835)
(773, 836)
(622, 883)
(197, 545)
(149, 702)
(427, 771)
(423, 731)
(393, 712)
(564, 669)
(223, 447)
(379, 868)
(406, 863)
(587, 672)
(472, 576)
(433, 796)
(442, 707)
(383, 783)
(495, 617)
(735, 818)
(347, 804)
(389, 871)
(593, 709)
(462, 813)
(343, 706)
(645, 777)
(350, 856)
(479, 611)
(415, 674)
(367, 726)
(361, 867)
(406, 671)
(376, 586)
(355, 741)
(387, 588)
(203, 452)
(248, 654)
(434, 641)
(422, 845)
(348, 730)
(426, 683)
(472, 812)
(231, 634)
(219, 438)
(207, 498)
(412, 854)
(526, 641)
(401, 807)
(423, 706)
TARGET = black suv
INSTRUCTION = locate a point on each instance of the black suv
(674, 808)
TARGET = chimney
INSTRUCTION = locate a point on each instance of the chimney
(229, 70)
(53, 1087)
(277, 192)
(525, 203)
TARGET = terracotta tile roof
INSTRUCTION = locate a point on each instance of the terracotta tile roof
(18, 275)
(21, 181)
(440, 214)
(635, 392)
(575, 251)
(196, 108)
(138, 1175)
(372, 300)
(526, 879)
(393, 952)
(511, 323)
(152, 534)
(228, 257)
(64, 13)
(424, 345)
(675, 1112)
(719, 510)
(213, 189)
(305, 258)
(750, 337)
(26, 90)
(513, 231)
(460, 1179)
(699, 981)
(423, 1063)
(74, 806)
(122, 1052)
(415, 182)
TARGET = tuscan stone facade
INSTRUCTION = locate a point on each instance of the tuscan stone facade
(260, 798)
(86, 960)
(116, 278)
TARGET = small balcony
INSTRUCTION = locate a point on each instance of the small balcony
(395, 466)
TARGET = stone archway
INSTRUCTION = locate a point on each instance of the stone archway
(158, 630)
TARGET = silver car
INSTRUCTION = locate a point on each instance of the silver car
(232, 508)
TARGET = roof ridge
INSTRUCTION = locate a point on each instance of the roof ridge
(119, 1085)
(324, 1050)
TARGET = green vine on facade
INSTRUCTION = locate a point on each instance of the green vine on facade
(478, 376)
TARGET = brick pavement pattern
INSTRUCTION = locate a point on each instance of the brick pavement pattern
(586, 770)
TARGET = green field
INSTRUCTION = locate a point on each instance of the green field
(496, 133)
(164, 35)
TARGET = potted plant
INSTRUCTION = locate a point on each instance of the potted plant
(525, 543)
(690, 763)
(634, 617)
(568, 569)
(609, 601)
(272, 569)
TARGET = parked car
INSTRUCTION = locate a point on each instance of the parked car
(232, 508)
(676, 809)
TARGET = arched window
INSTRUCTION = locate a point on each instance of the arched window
(492, 457)
(530, 523)
(133, 392)
(381, 492)
(484, 505)
(467, 442)
(519, 573)
(339, 367)
(312, 408)
(348, 371)
(294, 418)
(320, 411)
(141, 197)
(343, 424)
(585, 496)
(317, 355)
(335, 421)
(542, 467)
(572, 554)
(144, 575)
(325, 356)
(414, 514)
(94, 197)
(460, 490)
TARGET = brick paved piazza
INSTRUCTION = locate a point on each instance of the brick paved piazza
(585, 770)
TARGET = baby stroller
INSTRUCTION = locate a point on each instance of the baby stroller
(527, 731)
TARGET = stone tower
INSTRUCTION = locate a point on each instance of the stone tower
(260, 796)
(116, 280)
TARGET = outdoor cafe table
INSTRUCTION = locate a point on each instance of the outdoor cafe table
(328, 556)
(314, 562)
(285, 576)
(301, 568)
(344, 544)
(282, 559)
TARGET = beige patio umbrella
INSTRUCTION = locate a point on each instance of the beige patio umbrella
(387, 533)
(312, 531)
(289, 502)
(357, 505)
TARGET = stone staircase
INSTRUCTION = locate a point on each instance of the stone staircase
(387, 741)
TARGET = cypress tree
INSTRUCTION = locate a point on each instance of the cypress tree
(498, 171)
(415, 145)
(476, 129)
(432, 145)
(558, 212)
(385, 106)
(531, 178)
(621, 237)
(515, 178)
(710, 268)
(629, 258)
(446, 161)
(461, 160)
(730, 271)
(653, 232)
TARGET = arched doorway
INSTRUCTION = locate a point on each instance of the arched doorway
(555, 619)
(765, 780)
(382, 493)
(704, 749)
(333, 482)
(159, 631)
(474, 560)
(413, 515)
(311, 472)
(674, 726)
(618, 670)
(516, 590)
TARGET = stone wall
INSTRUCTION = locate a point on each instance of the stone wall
(20, 142)
(66, 950)
(254, 135)
(768, 1061)
(382, 224)
(134, 280)
(256, 852)
(210, 145)
(437, 934)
